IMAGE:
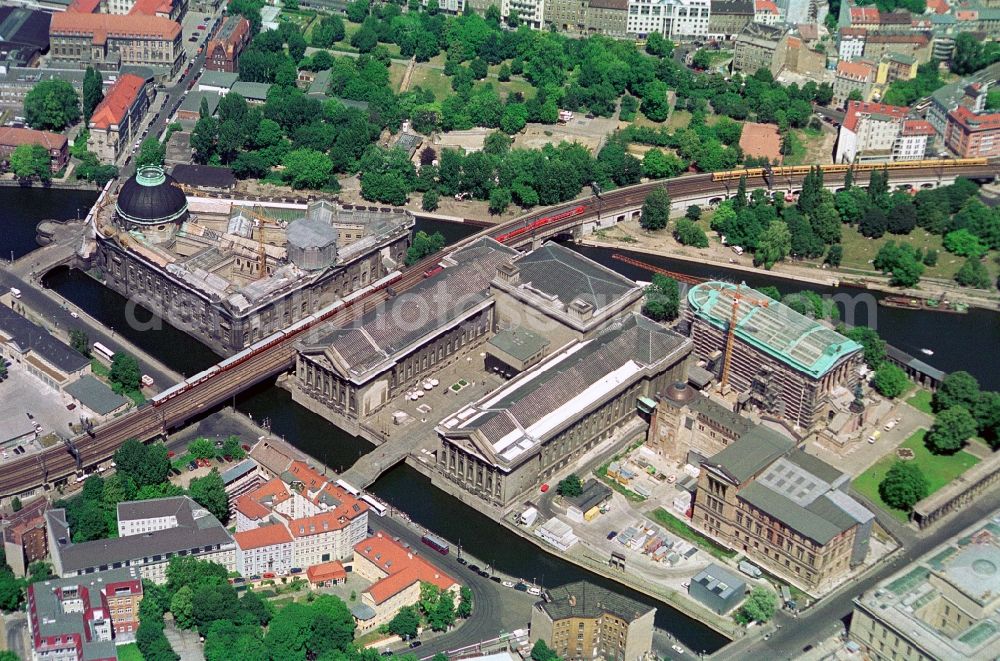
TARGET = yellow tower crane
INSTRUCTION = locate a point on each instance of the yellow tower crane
(750, 299)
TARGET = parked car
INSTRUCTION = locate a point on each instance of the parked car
(192, 465)
(269, 574)
(484, 573)
(534, 591)
(462, 561)
(496, 579)
(387, 653)
(474, 568)
(612, 534)
(415, 644)
(520, 587)
(507, 584)
(295, 570)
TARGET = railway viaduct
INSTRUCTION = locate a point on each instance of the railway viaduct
(58, 464)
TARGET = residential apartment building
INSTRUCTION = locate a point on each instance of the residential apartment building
(786, 364)
(143, 516)
(970, 92)
(529, 12)
(876, 132)
(55, 144)
(796, 12)
(944, 605)
(197, 534)
(16, 82)
(70, 619)
(605, 17)
(544, 419)
(760, 46)
(727, 18)
(678, 20)
(241, 479)
(972, 135)
(108, 41)
(323, 521)
(224, 48)
(915, 44)
(851, 44)
(116, 121)
(766, 12)
(584, 621)
(896, 66)
(852, 77)
(396, 572)
(784, 509)
(268, 548)
(24, 538)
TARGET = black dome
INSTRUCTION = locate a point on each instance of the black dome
(150, 197)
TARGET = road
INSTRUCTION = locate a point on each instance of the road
(496, 609)
(832, 612)
(16, 630)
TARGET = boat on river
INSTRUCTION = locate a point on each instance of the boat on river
(929, 304)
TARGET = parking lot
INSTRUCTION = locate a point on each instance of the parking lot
(22, 394)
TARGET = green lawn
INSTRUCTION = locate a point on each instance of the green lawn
(129, 652)
(396, 72)
(433, 80)
(921, 400)
(683, 530)
(938, 469)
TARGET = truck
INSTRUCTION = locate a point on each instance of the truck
(750, 569)
(529, 516)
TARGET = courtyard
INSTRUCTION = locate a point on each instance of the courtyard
(25, 401)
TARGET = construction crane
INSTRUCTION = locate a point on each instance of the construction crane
(750, 299)
(262, 221)
(679, 277)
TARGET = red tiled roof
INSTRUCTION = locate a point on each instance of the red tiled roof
(938, 6)
(972, 122)
(249, 504)
(854, 70)
(403, 566)
(917, 127)
(326, 571)
(765, 6)
(16, 137)
(229, 35)
(115, 105)
(857, 108)
(864, 15)
(317, 524)
(151, 7)
(250, 508)
(84, 6)
(102, 25)
(263, 536)
(853, 32)
(306, 475)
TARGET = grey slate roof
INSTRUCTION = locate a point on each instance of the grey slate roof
(720, 581)
(594, 493)
(238, 471)
(200, 531)
(906, 359)
(28, 336)
(311, 233)
(223, 79)
(521, 343)
(383, 337)
(591, 601)
(155, 509)
(800, 519)
(95, 395)
(192, 102)
(568, 275)
(203, 175)
(755, 450)
(251, 91)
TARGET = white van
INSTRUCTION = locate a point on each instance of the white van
(15, 292)
(738, 250)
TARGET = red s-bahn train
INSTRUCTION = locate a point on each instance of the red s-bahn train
(541, 222)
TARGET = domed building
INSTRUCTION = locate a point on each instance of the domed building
(151, 202)
(312, 243)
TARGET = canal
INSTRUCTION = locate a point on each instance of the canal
(411, 492)
(24, 208)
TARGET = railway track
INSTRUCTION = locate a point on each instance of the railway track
(56, 463)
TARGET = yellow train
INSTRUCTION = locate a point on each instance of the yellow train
(833, 168)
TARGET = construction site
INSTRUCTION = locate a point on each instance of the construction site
(231, 272)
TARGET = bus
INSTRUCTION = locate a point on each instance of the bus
(103, 352)
(374, 504)
(436, 543)
(348, 488)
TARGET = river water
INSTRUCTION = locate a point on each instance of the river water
(410, 491)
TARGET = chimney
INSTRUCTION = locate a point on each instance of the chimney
(509, 273)
(572, 600)
(580, 309)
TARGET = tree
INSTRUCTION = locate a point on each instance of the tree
(658, 165)
(296, 46)
(662, 299)
(773, 245)
(405, 622)
(964, 243)
(231, 448)
(693, 213)
(357, 11)
(151, 152)
(500, 199)
(758, 607)
(443, 615)
(332, 627)
(213, 602)
(11, 590)
(15, 504)
(901, 262)
(873, 223)
(902, 218)
(834, 255)
(570, 486)
(186, 570)
(424, 244)
(430, 201)
(689, 234)
(904, 486)
(125, 374)
(182, 608)
(931, 257)
(202, 448)
(973, 274)
(957, 389)
(210, 492)
(464, 609)
(31, 161)
(951, 429)
(542, 652)
(655, 210)
(307, 168)
(93, 91)
(51, 105)
(80, 342)
(145, 464)
(203, 138)
(891, 381)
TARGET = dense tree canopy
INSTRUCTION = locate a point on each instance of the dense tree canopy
(51, 105)
(31, 162)
(904, 485)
